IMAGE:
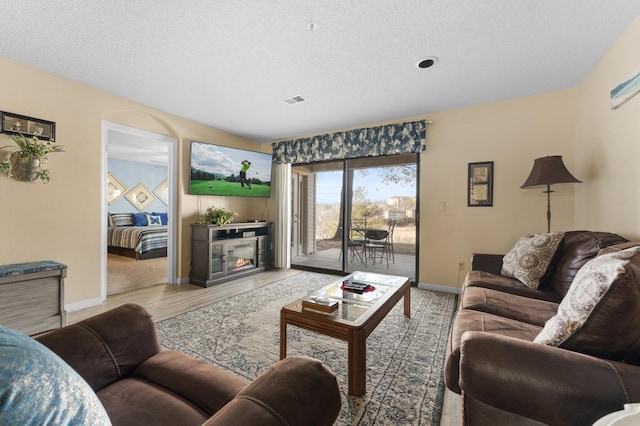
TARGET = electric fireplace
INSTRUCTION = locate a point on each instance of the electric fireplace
(241, 256)
(223, 253)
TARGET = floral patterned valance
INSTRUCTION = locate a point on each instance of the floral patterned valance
(392, 139)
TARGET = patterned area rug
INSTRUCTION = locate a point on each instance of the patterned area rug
(405, 356)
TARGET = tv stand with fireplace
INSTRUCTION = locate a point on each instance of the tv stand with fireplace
(224, 253)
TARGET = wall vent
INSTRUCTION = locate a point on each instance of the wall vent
(294, 100)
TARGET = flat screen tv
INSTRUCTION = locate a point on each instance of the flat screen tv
(231, 172)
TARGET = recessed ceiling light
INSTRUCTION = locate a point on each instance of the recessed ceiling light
(427, 62)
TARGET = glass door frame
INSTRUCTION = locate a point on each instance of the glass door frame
(345, 218)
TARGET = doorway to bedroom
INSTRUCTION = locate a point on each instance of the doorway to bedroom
(138, 204)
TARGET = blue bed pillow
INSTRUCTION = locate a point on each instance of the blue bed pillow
(139, 219)
(37, 387)
(164, 217)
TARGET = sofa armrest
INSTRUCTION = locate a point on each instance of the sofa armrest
(487, 262)
(106, 347)
(547, 384)
(294, 391)
(203, 384)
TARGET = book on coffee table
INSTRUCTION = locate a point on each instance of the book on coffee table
(356, 286)
(320, 303)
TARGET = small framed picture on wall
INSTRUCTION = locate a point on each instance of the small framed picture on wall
(28, 126)
(480, 184)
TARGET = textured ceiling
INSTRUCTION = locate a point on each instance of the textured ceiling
(231, 63)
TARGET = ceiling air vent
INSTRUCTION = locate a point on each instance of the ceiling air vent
(294, 100)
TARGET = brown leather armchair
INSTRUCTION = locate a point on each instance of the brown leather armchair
(118, 353)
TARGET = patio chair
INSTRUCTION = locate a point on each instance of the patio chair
(357, 240)
(391, 228)
(355, 246)
(356, 250)
(376, 245)
(357, 230)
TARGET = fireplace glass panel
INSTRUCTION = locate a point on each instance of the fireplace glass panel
(217, 258)
(241, 256)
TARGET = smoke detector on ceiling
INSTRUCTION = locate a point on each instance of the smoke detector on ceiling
(294, 100)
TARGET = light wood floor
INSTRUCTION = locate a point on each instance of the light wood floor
(166, 301)
(451, 409)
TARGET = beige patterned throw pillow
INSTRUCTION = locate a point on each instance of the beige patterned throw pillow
(529, 260)
(589, 287)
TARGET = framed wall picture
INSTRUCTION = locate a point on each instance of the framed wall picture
(115, 188)
(480, 184)
(625, 91)
(140, 197)
(162, 192)
(28, 126)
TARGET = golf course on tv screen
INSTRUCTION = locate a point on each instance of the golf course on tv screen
(232, 172)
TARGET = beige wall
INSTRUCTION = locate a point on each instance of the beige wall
(608, 143)
(61, 220)
(511, 134)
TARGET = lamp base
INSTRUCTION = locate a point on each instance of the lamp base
(548, 192)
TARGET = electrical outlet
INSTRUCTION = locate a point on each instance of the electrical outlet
(461, 265)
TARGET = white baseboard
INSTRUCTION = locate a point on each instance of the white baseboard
(184, 280)
(436, 287)
(83, 304)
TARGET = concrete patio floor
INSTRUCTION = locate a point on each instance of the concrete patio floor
(331, 259)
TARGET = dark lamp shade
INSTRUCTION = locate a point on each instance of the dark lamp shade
(547, 171)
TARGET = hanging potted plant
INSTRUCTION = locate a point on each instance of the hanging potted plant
(28, 162)
(217, 215)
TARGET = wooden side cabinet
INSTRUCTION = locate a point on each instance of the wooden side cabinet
(32, 296)
(223, 253)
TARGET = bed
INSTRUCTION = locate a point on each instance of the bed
(129, 235)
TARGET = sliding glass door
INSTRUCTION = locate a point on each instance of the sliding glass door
(316, 216)
(359, 214)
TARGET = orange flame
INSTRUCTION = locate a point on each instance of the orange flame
(240, 262)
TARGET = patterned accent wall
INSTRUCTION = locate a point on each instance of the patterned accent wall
(392, 139)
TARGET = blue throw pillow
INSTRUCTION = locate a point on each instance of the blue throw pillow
(37, 387)
(164, 217)
(139, 219)
(154, 220)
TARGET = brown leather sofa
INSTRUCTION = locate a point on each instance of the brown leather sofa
(118, 353)
(507, 379)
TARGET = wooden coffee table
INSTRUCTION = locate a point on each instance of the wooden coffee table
(357, 316)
